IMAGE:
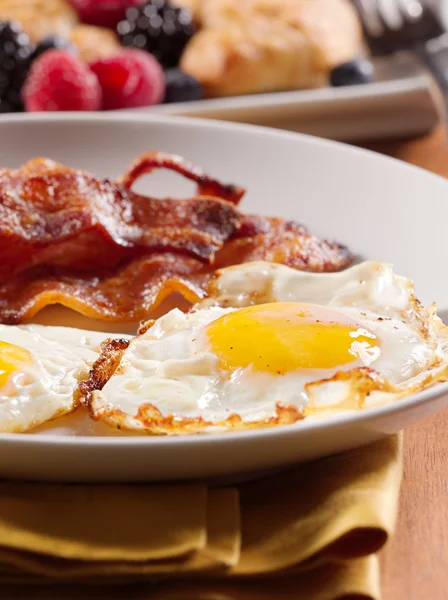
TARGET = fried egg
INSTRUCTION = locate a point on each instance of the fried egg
(40, 368)
(272, 345)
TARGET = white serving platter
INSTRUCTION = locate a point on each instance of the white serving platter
(381, 208)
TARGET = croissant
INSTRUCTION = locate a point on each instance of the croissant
(270, 45)
(40, 18)
(94, 43)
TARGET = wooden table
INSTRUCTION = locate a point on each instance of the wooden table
(415, 564)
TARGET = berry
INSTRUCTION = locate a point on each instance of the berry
(60, 80)
(15, 60)
(352, 73)
(159, 28)
(103, 13)
(181, 87)
(129, 79)
(53, 42)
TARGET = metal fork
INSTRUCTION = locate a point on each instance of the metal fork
(394, 25)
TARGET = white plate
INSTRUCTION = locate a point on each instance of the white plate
(381, 208)
(402, 101)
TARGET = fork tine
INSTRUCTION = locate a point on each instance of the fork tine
(391, 25)
(411, 10)
(373, 26)
(385, 18)
(369, 17)
(423, 18)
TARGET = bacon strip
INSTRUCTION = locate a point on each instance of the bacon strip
(67, 237)
(125, 294)
(53, 215)
(132, 291)
(207, 186)
(284, 242)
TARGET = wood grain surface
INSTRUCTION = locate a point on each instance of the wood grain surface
(415, 564)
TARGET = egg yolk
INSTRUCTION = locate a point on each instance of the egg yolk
(286, 336)
(11, 358)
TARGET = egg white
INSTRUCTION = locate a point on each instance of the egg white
(172, 367)
(42, 390)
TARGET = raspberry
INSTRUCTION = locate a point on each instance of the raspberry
(104, 13)
(130, 79)
(59, 80)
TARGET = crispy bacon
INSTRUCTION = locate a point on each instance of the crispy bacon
(67, 237)
(127, 293)
(207, 186)
(53, 215)
(131, 291)
(284, 242)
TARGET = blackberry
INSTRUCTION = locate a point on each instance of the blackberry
(15, 59)
(53, 42)
(159, 28)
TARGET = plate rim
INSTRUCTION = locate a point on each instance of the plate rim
(204, 123)
(333, 422)
(291, 98)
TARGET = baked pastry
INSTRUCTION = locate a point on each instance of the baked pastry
(94, 43)
(40, 18)
(270, 45)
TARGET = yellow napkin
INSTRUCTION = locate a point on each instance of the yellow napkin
(310, 532)
(355, 580)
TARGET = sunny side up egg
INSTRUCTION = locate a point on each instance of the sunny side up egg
(272, 345)
(40, 368)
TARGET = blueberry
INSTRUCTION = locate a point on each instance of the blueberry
(181, 87)
(53, 42)
(353, 72)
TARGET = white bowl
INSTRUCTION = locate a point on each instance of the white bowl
(381, 208)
